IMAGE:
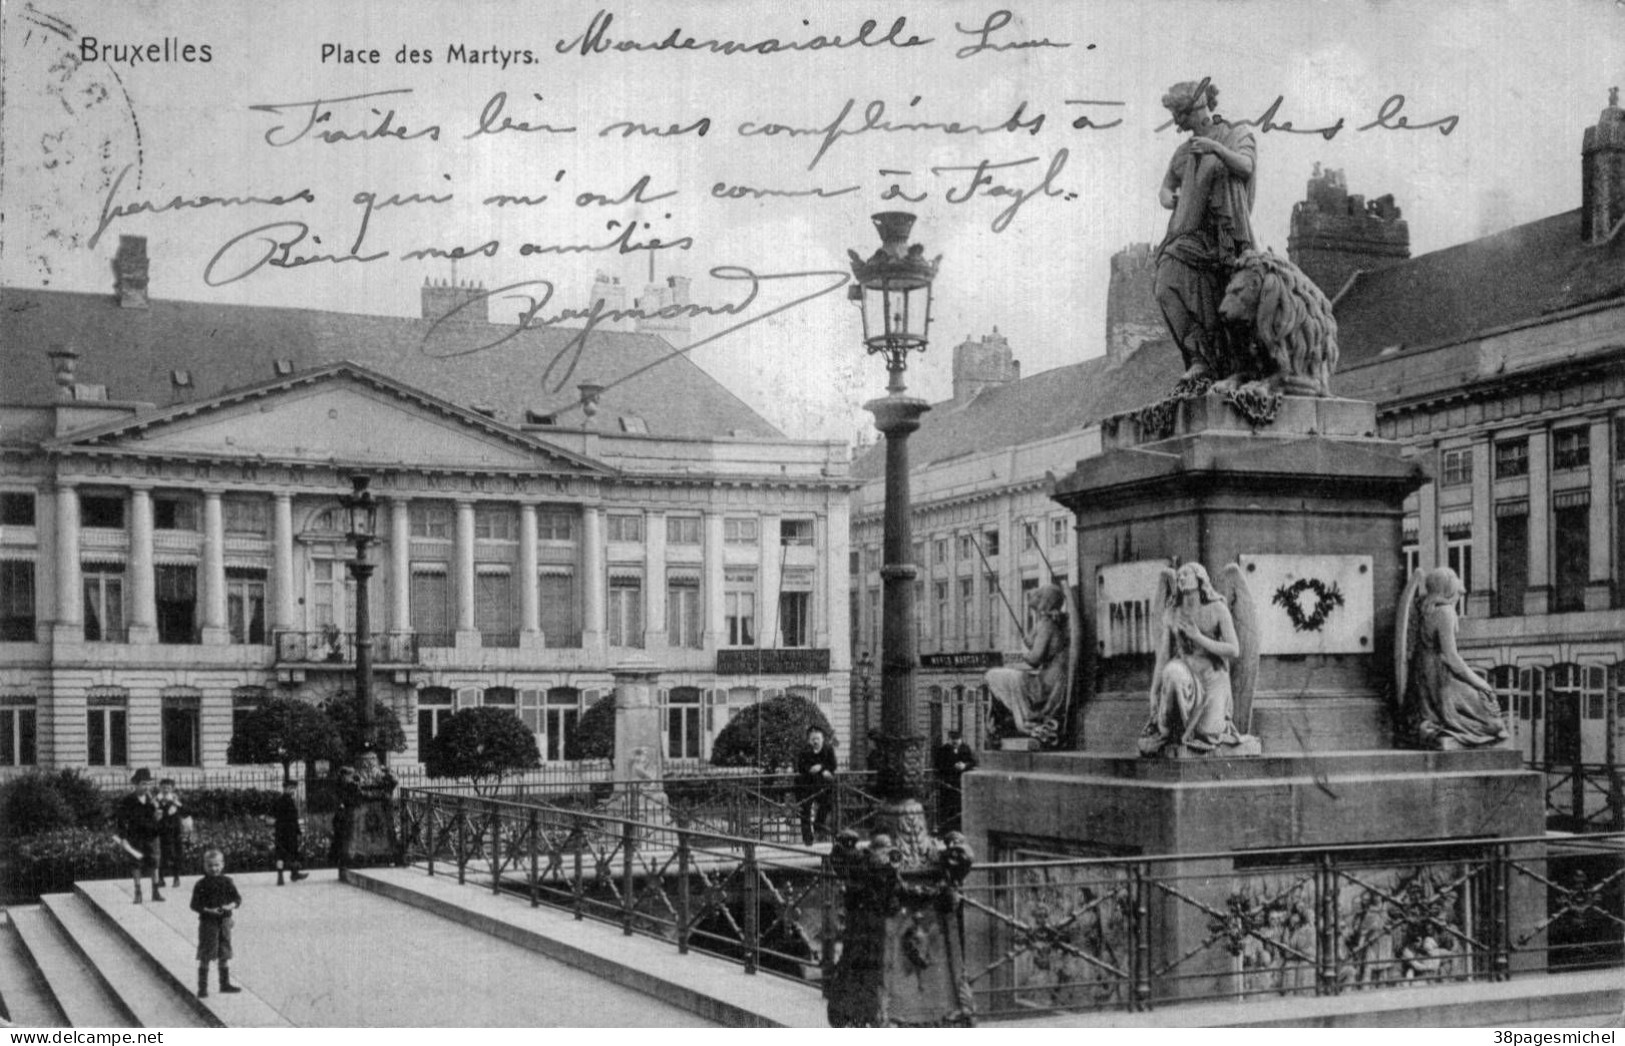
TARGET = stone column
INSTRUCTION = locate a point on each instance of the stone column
(1537, 598)
(143, 577)
(768, 582)
(1599, 594)
(530, 596)
(1427, 531)
(285, 579)
(654, 586)
(1479, 585)
(70, 585)
(593, 571)
(716, 617)
(466, 634)
(639, 747)
(400, 564)
(214, 571)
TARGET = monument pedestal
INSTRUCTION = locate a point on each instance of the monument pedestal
(1227, 878)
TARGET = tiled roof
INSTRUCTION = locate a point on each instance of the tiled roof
(1512, 277)
(224, 347)
(1052, 403)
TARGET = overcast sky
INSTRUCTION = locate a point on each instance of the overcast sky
(1518, 81)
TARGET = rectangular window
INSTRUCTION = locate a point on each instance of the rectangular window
(795, 619)
(917, 554)
(496, 522)
(795, 532)
(1029, 537)
(102, 511)
(967, 547)
(18, 732)
(531, 711)
(854, 561)
(177, 603)
(1057, 532)
(557, 592)
(434, 707)
(1571, 448)
(683, 619)
(627, 528)
(990, 609)
(563, 713)
(1458, 556)
(1511, 563)
(939, 599)
(245, 604)
(625, 610)
(1511, 458)
(739, 531)
(1457, 467)
(245, 701)
(1571, 547)
(246, 516)
(16, 509)
(939, 551)
(17, 601)
(104, 602)
(107, 732)
(493, 607)
(990, 543)
(555, 525)
(174, 512)
(739, 607)
(180, 731)
(682, 530)
(431, 608)
(683, 723)
(431, 519)
(967, 608)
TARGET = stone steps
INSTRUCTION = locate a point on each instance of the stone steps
(25, 997)
(142, 987)
(83, 997)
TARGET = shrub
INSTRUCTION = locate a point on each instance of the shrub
(595, 732)
(84, 796)
(285, 730)
(768, 734)
(31, 804)
(483, 745)
(222, 804)
(387, 733)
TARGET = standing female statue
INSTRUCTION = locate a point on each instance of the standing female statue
(1192, 701)
(1209, 186)
(1446, 703)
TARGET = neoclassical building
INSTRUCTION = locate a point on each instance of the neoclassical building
(169, 558)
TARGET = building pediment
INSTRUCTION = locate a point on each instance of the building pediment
(340, 414)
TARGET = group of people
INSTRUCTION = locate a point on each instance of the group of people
(816, 765)
(155, 833)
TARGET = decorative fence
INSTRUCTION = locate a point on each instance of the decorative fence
(1584, 797)
(566, 776)
(1060, 935)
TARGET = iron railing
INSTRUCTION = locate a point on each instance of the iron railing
(338, 648)
(569, 777)
(1584, 797)
(1073, 934)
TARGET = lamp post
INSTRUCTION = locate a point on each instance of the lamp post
(362, 509)
(893, 289)
(865, 666)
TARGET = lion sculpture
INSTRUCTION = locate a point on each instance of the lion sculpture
(1290, 319)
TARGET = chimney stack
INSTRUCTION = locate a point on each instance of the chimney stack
(1335, 234)
(63, 361)
(983, 362)
(1602, 174)
(130, 272)
(455, 303)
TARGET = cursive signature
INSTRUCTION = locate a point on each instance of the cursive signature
(111, 213)
(536, 295)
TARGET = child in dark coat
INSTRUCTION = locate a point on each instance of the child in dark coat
(137, 818)
(289, 832)
(214, 898)
(171, 837)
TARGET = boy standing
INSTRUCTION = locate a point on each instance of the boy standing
(137, 816)
(171, 841)
(289, 832)
(214, 898)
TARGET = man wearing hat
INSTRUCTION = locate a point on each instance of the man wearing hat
(137, 817)
(952, 761)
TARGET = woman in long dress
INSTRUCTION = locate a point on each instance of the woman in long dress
(1452, 705)
(1191, 699)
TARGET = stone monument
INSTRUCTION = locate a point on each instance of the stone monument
(1259, 713)
(638, 770)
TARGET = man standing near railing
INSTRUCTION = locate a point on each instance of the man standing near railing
(954, 759)
(815, 777)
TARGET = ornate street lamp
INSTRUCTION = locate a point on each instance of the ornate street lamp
(893, 288)
(362, 510)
